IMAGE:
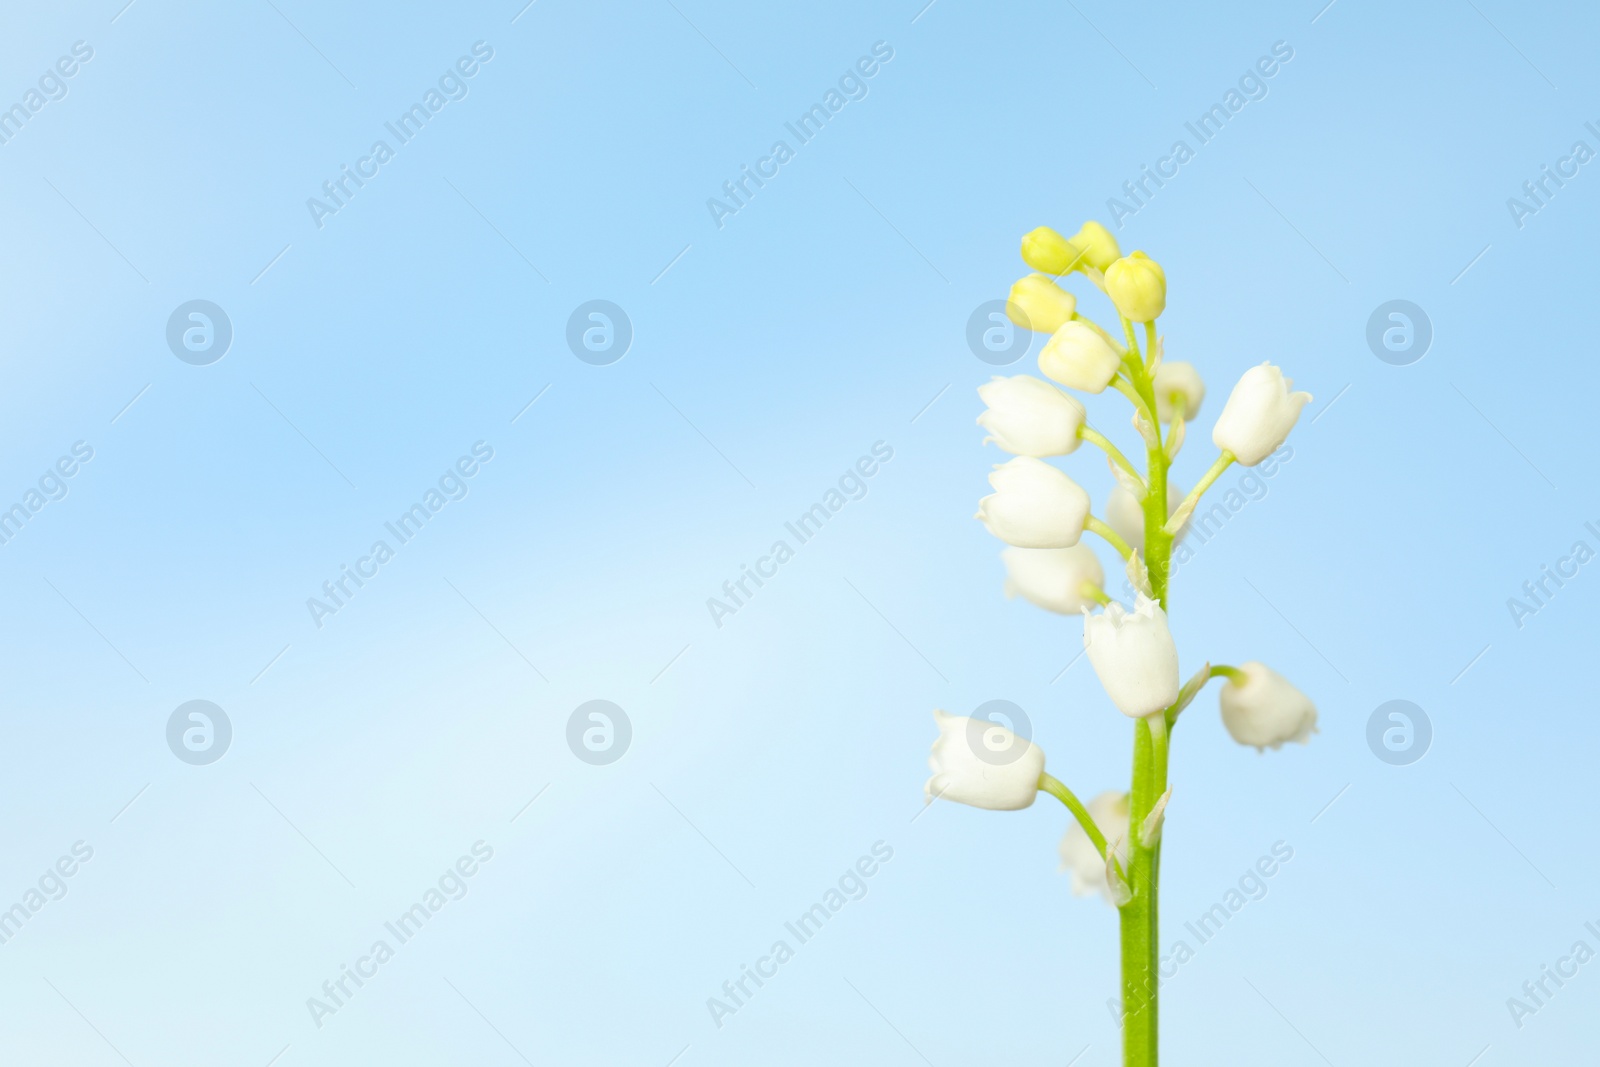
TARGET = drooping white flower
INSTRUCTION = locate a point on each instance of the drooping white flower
(1037, 303)
(1054, 578)
(1134, 655)
(1259, 414)
(982, 763)
(1125, 513)
(1178, 381)
(1030, 417)
(1138, 286)
(1265, 710)
(1034, 505)
(1078, 854)
(1079, 357)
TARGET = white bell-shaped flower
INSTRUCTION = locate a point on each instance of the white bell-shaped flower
(1029, 417)
(982, 763)
(1056, 579)
(1134, 655)
(1263, 709)
(1259, 414)
(1034, 505)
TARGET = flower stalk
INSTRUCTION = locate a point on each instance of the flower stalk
(1140, 917)
(1100, 441)
(1113, 846)
(1112, 538)
(1048, 783)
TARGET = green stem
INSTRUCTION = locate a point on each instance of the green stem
(1142, 393)
(1157, 541)
(1138, 917)
(1140, 926)
(1057, 788)
(1099, 440)
(1094, 525)
(1133, 342)
(1125, 387)
(1222, 463)
(1149, 343)
(1159, 736)
(1191, 689)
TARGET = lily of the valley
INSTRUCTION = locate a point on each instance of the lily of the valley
(1039, 304)
(1134, 656)
(1259, 414)
(1079, 357)
(1112, 846)
(1081, 859)
(1003, 776)
(1034, 505)
(1029, 417)
(1062, 580)
(1261, 707)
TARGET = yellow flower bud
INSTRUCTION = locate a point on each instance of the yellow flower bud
(1138, 286)
(1098, 246)
(1047, 251)
(1039, 304)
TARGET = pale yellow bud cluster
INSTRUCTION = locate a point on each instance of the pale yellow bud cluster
(1135, 283)
(1091, 248)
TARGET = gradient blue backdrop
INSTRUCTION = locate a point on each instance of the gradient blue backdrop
(768, 354)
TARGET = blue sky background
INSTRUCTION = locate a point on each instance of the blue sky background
(828, 314)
